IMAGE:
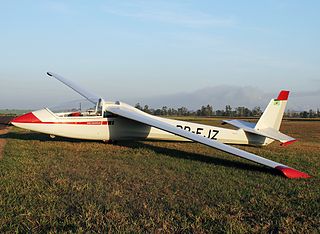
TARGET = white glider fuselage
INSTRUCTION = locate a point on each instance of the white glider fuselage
(112, 121)
(112, 128)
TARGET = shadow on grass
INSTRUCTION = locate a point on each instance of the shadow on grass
(26, 136)
(174, 153)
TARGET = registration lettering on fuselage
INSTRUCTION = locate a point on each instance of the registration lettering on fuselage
(209, 133)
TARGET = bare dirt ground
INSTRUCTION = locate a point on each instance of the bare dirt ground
(4, 128)
(5, 119)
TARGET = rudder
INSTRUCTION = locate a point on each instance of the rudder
(272, 116)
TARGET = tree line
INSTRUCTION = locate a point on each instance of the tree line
(228, 111)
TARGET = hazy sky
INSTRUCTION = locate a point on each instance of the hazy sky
(129, 50)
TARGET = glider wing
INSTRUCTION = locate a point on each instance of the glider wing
(89, 96)
(132, 113)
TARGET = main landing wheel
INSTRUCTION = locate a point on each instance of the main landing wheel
(110, 142)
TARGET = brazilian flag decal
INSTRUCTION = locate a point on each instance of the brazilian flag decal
(276, 103)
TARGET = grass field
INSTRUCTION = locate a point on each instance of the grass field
(66, 185)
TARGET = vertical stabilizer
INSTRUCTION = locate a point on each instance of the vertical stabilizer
(272, 116)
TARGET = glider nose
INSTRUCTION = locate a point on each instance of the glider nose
(26, 118)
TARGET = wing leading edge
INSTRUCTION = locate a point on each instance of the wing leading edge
(88, 95)
(132, 113)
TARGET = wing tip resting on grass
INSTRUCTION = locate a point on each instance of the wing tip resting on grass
(292, 173)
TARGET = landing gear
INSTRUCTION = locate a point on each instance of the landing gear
(110, 142)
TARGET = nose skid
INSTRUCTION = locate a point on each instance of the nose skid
(26, 118)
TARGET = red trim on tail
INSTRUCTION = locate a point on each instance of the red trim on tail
(288, 142)
(283, 95)
(292, 173)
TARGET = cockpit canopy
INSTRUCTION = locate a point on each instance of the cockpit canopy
(84, 108)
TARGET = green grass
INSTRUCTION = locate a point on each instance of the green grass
(66, 185)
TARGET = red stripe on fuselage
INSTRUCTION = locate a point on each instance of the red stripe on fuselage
(80, 123)
(30, 118)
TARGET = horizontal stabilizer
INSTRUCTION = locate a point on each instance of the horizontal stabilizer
(239, 124)
(266, 132)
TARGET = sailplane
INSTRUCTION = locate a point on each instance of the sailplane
(116, 121)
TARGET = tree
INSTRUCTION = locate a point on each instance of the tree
(240, 111)
(304, 114)
(182, 111)
(138, 106)
(164, 110)
(228, 110)
(209, 110)
(220, 113)
(157, 112)
(256, 111)
(146, 109)
(311, 113)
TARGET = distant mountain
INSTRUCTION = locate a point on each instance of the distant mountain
(13, 111)
(217, 96)
(235, 96)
